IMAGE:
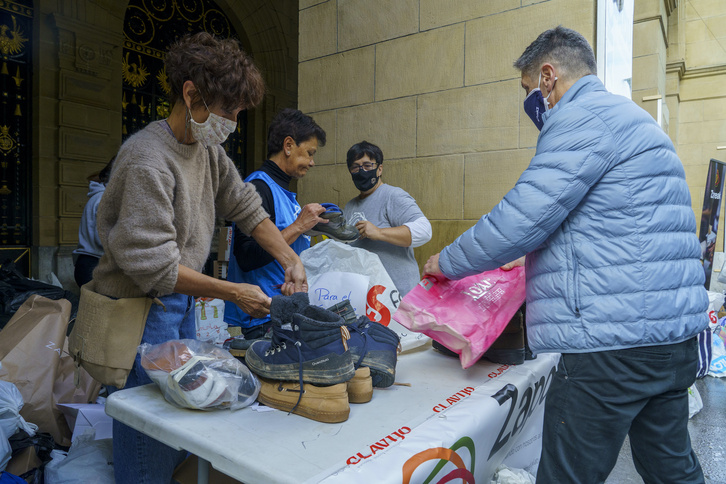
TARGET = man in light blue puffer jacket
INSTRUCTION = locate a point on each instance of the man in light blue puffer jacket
(614, 281)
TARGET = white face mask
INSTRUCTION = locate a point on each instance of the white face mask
(214, 131)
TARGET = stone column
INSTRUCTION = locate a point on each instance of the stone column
(650, 42)
(77, 120)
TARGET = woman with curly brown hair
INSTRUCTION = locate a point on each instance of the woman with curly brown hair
(156, 219)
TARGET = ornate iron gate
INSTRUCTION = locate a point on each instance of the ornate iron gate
(149, 28)
(16, 20)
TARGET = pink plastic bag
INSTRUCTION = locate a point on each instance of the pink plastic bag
(466, 315)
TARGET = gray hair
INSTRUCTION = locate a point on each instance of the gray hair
(563, 48)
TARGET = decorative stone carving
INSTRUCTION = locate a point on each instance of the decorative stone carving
(86, 48)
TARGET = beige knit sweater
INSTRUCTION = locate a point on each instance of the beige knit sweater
(159, 211)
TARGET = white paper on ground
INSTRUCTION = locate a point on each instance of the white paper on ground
(82, 416)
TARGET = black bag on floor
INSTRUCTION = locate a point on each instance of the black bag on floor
(15, 289)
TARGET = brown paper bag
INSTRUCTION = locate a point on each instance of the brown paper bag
(107, 333)
(34, 357)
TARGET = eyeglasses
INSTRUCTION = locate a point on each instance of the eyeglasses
(367, 166)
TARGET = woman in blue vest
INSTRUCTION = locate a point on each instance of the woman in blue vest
(293, 139)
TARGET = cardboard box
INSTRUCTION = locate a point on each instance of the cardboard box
(186, 473)
(220, 269)
(24, 461)
(225, 243)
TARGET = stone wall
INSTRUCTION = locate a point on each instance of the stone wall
(697, 83)
(431, 82)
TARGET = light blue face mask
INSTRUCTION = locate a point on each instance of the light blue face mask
(535, 105)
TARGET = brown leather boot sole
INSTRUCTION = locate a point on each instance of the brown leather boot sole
(360, 387)
(324, 404)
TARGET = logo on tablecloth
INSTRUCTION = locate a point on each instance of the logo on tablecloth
(445, 456)
(379, 446)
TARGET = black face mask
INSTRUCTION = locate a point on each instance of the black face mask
(365, 180)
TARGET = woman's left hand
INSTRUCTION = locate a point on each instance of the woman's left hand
(367, 230)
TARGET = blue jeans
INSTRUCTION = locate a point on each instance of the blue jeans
(138, 458)
(596, 399)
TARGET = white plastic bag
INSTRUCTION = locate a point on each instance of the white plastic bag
(382, 298)
(88, 460)
(11, 402)
(695, 404)
(210, 320)
(198, 375)
(5, 450)
(718, 348)
(505, 475)
(704, 338)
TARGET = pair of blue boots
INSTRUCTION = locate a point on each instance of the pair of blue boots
(321, 346)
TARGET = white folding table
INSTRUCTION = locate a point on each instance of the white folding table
(447, 420)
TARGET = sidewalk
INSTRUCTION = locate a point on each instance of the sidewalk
(708, 437)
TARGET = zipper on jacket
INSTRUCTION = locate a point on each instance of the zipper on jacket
(575, 299)
(576, 281)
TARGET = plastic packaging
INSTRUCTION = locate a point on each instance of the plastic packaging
(695, 403)
(88, 460)
(331, 258)
(198, 375)
(210, 320)
(466, 315)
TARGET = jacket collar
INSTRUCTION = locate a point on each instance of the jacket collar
(583, 85)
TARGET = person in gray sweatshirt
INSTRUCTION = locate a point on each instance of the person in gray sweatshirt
(90, 249)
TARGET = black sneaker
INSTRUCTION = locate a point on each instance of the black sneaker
(510, 348)
(442, 349)
(336, 228)
(240, 344)
(315, 350)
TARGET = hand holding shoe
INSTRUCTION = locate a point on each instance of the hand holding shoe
(368, 231)
(252, 300)
(309, 217)
(334, 225)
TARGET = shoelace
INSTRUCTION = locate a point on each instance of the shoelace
(279, 343)
(356, 328)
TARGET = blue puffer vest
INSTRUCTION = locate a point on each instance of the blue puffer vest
(604, 214)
